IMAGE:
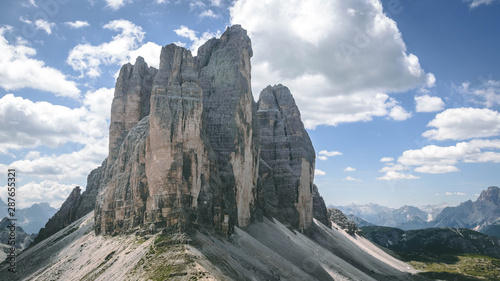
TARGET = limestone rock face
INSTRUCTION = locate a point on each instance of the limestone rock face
(231, 122)
(120, 205)
(320, 212)
(130, 102)
(177, 153)
(188, 145)
(288, 151)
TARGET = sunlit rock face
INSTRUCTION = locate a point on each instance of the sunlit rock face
(188, 145)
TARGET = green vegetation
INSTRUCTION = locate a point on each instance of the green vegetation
(463, 267)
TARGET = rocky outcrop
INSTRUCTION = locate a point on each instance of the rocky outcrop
(76, 205)
(65, 216)
(337, 217)
(288, 151)
(231, 122)
(188, 145)
(130, 102)
(320, 212)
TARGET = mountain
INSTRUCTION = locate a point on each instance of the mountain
(406, 217)
(33, 218)
(481, 215)
(202, 182)
(433, 242)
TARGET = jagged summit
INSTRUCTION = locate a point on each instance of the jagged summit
(188, 145)
(492, 194)
(193, 156)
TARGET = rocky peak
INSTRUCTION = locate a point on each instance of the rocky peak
(188, 145)
(130, 102)
(492, 194)
(287, 149)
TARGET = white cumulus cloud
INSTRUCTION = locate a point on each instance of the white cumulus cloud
(77, 24)
(387, 159)
(464, 123)
(28, 124)
(319, 172)
(208, 14)
(427, 103)
(339, 58)
(124, 48)
(437, 159)
(393, 175)
(46, 191)
(349, 169)
(19, 70)
(196, 40)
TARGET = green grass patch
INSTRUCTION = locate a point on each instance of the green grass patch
(466, 267)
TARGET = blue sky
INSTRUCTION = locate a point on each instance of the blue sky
(401, 98)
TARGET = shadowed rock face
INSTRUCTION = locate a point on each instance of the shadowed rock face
(185, 146)
(288, 151)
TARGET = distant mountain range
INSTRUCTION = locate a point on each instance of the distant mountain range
(482, 215)
(30, 219)
(406, 217)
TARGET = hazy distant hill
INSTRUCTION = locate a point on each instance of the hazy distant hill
(31, 219)
(406, 217)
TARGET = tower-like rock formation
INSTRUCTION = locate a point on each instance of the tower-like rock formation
(288, 151)
(188, 145)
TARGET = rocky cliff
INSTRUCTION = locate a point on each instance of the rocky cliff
(188, 145)
(288, 152)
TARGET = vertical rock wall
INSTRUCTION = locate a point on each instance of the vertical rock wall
(232, 127)
(288, 151)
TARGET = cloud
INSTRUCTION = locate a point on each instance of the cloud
(436, 159)
(88, 59)
(117, 4)
(19, 70)
(319, 172)
(40, 24)
(427, 103)
(349, 169)
(393, 175)
(339, 61)
(477, 3)
(392, 167)
(387, 159)
(190, 34)
(208, 14)
(436, 169)
(464, 123)
(216, 3)
(47, 191)
(348, 178)
(27, 124)
(44, 25)
(487, 94)
(77, 24)
(324, 154)
(72, 166)
(455, 193)
(399, 114)
(149, 51)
